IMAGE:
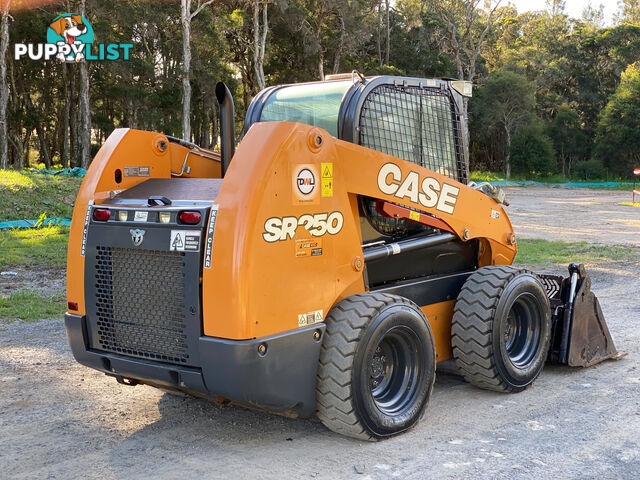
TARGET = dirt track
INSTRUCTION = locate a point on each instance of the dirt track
(61, 420)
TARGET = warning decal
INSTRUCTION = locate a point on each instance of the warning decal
(85, 229)
(184, 241)
(308, 248)
(310, 318)
(210, 232)
(327, 179)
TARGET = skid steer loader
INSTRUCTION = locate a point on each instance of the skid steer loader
(324, 267)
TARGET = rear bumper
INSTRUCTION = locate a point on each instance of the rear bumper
(281, 380)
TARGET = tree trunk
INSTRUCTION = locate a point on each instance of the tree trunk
(378, 29)
(186, 67)
(74, 121)
(507, 155)
(42, 140)
(259, 41)
(338, 57)
(214, 123)
(320, 63)
(85, 106)
(18, 147)
(4, 87)
(386, 58)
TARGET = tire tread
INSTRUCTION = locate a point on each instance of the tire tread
(346, 323)
(472, 326)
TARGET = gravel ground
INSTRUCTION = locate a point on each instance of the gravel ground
(61, 420)
(576, 214)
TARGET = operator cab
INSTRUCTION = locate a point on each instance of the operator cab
(415, 119)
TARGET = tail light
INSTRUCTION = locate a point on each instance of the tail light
(189, 218)
(101, 214)
(72, 306)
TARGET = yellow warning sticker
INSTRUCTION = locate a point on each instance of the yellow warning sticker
(326, 170)
(414, 215)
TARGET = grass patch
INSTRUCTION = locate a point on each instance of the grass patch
(630, 204)
(29, 305)
(25, 195)
(34, 245)
(540, 252)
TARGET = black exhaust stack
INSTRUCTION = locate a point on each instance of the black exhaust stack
(227, 134)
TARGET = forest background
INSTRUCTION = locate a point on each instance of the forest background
(554, 96)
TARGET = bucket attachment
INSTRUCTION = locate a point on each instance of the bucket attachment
(579, 336)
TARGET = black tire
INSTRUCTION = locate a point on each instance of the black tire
(377, 366)
(501, 328)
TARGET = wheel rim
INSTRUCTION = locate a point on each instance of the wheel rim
(395, 370)
(522, 331)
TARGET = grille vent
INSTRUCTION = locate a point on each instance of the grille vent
(140, 303)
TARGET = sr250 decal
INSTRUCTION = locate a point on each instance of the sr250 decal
(277, 229)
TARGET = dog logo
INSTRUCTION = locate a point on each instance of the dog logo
(73, 31)
(70, 39)
(137, 236)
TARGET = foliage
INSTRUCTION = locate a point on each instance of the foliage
(569, 139)
(618, 139)
(30, 305)
(500, 107)
(531, 151)
(589, 169)
(541, 252)
(33, 246)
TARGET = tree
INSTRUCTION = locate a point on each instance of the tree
(85, 107)
(186, 16)
(618, 136)
(4, 87)
(569, 140)
(502, 105)
(628, 11)
(467, 27)
(593, 15)
(259, 41)
(531, 151)
(466, 38)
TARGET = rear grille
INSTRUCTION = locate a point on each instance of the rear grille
(139, 299)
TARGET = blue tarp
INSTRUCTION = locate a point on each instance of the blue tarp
(531, 183)
(34, 223)
(67, 172)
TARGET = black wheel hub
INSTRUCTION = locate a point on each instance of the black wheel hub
(522, 331)
(395, 370)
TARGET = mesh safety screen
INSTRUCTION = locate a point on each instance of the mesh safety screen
(415, 124)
